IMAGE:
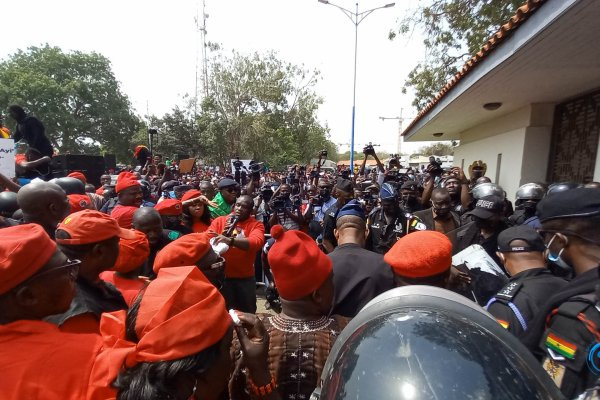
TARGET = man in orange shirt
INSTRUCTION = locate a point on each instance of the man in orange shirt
(245, 236)
(37, 360)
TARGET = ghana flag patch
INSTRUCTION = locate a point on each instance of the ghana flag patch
(503, 323)
(567, 349)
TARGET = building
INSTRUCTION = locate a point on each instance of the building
(528, 103)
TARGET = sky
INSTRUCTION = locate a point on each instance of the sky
(153, 46)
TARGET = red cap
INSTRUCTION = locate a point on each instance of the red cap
(78, 175)
(79, 202)
(191, 194)
(123, 215)
(90, 226)
(24, 250)
(299, 267)
(420, 254)
(169, 207)
(177, 299)
(125, 183)
(125, 174)
(186, 250)
(132, 252)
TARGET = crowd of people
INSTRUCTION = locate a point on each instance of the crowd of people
(144, 286)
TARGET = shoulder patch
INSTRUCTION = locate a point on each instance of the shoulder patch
(172, 235)
(509, 291)
(561, 346)
(502, 322)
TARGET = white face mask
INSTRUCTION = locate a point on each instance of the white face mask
(557, 259)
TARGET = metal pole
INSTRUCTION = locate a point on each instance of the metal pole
(354, 92)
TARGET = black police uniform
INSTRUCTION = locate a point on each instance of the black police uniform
(329, 222)
(519, 301)
(382, 235)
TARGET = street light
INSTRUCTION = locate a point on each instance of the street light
(356, 19)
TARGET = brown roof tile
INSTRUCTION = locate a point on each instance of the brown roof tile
(522, 14)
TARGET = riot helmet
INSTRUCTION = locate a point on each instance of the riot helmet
(423, 342)
(562, 187)
(528, 195)
(487, 189)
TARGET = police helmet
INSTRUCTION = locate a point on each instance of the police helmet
(530, 191)
(562, 187)
(8, 204)
(423, 342)
(70, 185)
(487, 189)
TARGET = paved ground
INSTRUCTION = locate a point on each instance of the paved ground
(260, 302)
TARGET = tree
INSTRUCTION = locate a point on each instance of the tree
(261, 108)
(75, 95)
(453, 30)
(437, 149)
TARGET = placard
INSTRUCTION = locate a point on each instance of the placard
(7, 157)
(186, 166)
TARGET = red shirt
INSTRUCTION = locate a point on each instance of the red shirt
(129, 288)
(199, 227)
(123, 215)
(240, 263)
(38, 361)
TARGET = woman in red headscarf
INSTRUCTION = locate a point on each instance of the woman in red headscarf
(196, 215)
(174, 343)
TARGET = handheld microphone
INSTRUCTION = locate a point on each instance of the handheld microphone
(232, 225)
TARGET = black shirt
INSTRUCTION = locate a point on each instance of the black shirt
(519, 301)
(34, 133)
(383, 235)
(359, 275)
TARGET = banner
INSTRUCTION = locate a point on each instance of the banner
(7, 157)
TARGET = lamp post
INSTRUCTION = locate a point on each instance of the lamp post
(356, 19)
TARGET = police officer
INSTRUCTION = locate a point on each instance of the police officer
(565, 333)
(520, 249)
(387, 223)
(343, 193)
(528, 196)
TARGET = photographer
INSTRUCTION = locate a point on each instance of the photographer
(286, 209)
(369, 150)
(317, 207)
(262, 211)
(315, 174)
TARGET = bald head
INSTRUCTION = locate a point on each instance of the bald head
(44, 203)
(351, 229)
(145, 215)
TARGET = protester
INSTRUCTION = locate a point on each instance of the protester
(171, 211)
(196, 214)
(31, 130)
(440, 217)
(124, 275)
(521, 250)
(303, 334)
(150, 352)
(421, 258)
(37, 360)
(93, 238)
(359, 275)
(565, 328)
(193, 249)
(148, 221)
(43, 203)
(229, 190)
(207, 189)
(244, 236)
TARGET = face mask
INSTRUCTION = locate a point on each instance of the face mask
(325, 194)
(442, 211)
(409, 199)
(556, 259)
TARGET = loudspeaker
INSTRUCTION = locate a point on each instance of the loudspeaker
(92, 166)
(110, 161)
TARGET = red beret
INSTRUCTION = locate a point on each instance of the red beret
(186, 250)
(191, 194)
(420, 254)
(177, 299)
(125, 174)
(78, 175)
(169, 207)
(24, 250)
(79, 202)
(132, 252)
(91, 226)
(299, 267)
(125, 183)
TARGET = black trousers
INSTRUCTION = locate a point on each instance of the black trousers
(240, 294)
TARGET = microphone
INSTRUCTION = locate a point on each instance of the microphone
(232, 225)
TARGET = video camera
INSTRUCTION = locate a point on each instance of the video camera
(323, 154)
(369, 150)
(255, 169)
(435, 166)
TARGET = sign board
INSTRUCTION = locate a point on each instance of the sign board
(245, 165)
(186, 166)
(7, 157)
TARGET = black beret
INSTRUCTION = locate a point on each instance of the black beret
(344, 185)
(574, 203)
(226, 182)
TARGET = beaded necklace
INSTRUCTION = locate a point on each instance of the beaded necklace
(294, 325)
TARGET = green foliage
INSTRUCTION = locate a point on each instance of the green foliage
(453, 31)
(75, 95)
(261, 108)
(437, 149)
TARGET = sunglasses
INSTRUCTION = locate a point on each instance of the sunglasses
(231, 189)
(71, 267)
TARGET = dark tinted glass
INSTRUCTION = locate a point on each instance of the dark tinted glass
(428, 355)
